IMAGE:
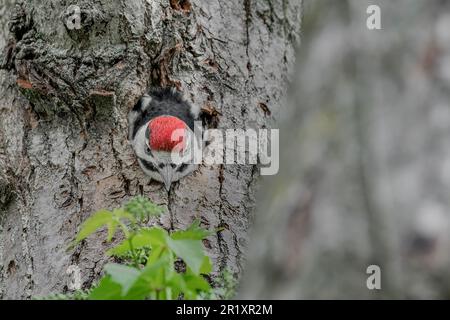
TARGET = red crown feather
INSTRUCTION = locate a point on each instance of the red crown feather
(161, 132)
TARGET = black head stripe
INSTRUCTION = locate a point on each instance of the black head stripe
(148, 151)
(148, 165)
(182, 168)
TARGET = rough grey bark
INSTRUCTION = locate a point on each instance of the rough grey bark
(364, 174)
(64, 97)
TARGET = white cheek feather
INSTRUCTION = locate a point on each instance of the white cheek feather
(195, 110)
(146, 100)
(139, 144)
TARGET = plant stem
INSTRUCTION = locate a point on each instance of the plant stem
(133, 252)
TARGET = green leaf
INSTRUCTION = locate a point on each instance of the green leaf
(177, 284)
(112, 226)
(121, 214)
(191, 251)
(100, 219)
(152, 238)
(196, 283)
(94, 223)
(156, 254)
(206, 267)
(152, 273)
(139, 291)
(106, 290)
(123, 275)
(194, 232)
(151, 280)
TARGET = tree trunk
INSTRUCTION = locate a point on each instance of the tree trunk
(64, 98)
(364, 171)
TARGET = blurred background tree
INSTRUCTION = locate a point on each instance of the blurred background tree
(365, 170)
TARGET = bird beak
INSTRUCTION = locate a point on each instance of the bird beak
(168, 175)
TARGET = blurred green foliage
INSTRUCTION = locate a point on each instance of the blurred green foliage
(149, 255)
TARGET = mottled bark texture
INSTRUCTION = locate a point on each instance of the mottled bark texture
(64, 97)
(364, 175)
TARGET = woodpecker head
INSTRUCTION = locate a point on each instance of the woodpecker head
(160, 130)
(163, 147)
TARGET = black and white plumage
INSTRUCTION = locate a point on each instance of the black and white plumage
(151, 124)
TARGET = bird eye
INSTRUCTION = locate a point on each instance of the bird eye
(148, 151)
(182, 168)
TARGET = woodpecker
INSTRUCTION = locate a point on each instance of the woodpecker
(160, 123)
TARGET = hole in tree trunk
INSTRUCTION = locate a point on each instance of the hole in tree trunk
(181, 5)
